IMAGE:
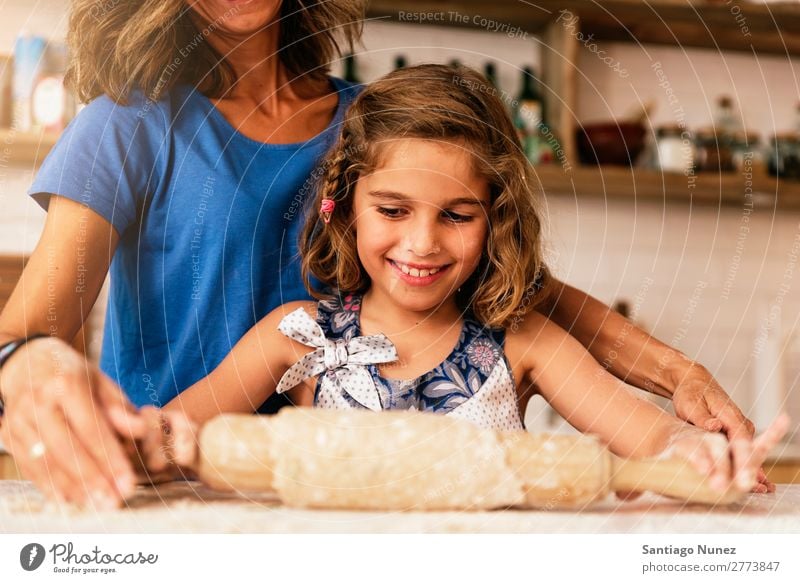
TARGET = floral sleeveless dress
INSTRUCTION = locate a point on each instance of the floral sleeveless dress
(474, 382)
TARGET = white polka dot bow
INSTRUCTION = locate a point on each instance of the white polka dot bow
(345, 362)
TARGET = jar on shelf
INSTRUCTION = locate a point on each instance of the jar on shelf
(746, 150)
(714, 152)
(784, 156)
(675, 150)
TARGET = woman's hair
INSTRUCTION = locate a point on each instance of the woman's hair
(117, 46)
(457, 105)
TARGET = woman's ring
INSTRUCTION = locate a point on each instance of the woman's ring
(37, 450)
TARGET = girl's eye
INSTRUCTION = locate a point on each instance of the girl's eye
(457, 218)
(392, 213)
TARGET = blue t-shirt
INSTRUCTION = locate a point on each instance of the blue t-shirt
(208, 221)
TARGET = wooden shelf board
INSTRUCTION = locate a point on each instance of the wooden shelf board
(771, 28)
(616, 182)
(24, 147)
(8, 469)
(783, 472)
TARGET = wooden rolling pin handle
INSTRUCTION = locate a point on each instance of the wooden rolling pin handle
(670, 477)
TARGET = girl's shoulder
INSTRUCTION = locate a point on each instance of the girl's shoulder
(309, 306)
(289, 350)
(337, 316)
(524, 326)
(532, 338)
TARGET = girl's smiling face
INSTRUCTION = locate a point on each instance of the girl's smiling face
(421, 221)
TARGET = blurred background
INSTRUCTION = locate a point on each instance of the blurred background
(665, 136)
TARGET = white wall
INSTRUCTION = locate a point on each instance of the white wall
(21, 219)
(41, 17)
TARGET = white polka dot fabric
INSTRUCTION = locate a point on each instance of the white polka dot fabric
(494, 406)
(342, 362)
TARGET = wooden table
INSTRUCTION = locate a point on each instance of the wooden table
(188, 507)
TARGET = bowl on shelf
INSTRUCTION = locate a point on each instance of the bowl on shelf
(617, 143)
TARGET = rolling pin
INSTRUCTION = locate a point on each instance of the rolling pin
(405, 460)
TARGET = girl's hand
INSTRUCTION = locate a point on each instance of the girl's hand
(727, 464)
(65, 424)
(699, 399)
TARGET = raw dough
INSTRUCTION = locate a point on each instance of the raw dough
(392, 460)
(235, 453)
(558, 471)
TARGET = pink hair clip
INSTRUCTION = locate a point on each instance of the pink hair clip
(326, 209)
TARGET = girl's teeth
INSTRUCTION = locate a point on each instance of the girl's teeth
(416, 272)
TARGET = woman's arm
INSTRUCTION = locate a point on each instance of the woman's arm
(643, 361)
(249, 374)
(57, 423)
(595, 402)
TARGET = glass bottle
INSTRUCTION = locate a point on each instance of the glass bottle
(797, 119)
(490, 72)
(714, 151)
(350, 69)
(528, 116)
(726, 122)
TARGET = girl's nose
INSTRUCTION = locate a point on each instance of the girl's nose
(422, 239)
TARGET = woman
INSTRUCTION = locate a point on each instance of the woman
(186, 175)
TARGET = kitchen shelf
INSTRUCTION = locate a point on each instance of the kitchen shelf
(617, 182)
(772, 28)
(25, 148)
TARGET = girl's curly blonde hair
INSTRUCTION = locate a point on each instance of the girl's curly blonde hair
(118, 46)
(435, 102)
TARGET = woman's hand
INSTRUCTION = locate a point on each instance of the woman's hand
(699, 399)
(166, 444)
(65, 423)
(733, 463)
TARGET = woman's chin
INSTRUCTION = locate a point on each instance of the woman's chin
(238, 17)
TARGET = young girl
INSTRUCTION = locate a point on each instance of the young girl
(426, 235)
